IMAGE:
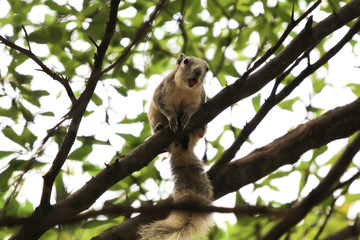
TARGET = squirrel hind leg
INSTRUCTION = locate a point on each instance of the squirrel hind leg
(184, 142)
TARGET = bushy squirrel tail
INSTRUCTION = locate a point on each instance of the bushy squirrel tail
(179, 226)
(191, 184)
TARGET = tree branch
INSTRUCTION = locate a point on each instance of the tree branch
(61, 79)
(293, 23)
(78, 109)
(275, 99)
(349, 232)
(299, 211)
(126, 210)
(140, 34)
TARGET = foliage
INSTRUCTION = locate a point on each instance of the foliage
(230, 35)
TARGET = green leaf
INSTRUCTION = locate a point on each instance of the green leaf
(4, 154)
(32, 96)
(61, 192)
(96, 99)
(318, 151)
(287, 105)
(60, 9)
(140, 118)
(81, 153)
(26, 113)
(13, 112)
(26, 136)
(256, 102)
(48, 114)
(355, 88)
(14, 165)
(122, 91)
(317, 84)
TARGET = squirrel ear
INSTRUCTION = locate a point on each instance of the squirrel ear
(180, 58)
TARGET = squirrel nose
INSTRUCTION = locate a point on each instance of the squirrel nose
(198, 71)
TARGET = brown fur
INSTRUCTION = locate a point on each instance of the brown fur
(175, 100)
(191, 183)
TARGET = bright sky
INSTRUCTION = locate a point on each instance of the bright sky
(343, 70)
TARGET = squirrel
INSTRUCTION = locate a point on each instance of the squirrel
(178, 97)
(175, 100)
(191, 184)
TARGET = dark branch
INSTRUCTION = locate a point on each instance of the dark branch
(62, 80)
(228, 155)
(186, 206)
(274, 99)
(349, 232)
(182, 27)
(299, 211)
(78, 109)
(26, 37)
(287, 31)
(139, 36)
(126, 210)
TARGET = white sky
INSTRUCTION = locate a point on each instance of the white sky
(343, 69)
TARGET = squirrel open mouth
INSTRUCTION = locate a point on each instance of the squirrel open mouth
(192, 82)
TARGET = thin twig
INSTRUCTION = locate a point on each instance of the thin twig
(181, 26)
(26, 37)
(190, 206)
(62, 80)
(141, 33)
(287, 31)
(328, 215)
(93, 41)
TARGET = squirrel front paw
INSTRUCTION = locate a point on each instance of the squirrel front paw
(185, 119)
(173, 124)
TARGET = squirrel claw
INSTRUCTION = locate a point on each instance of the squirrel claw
(185, 119)
(173, 124)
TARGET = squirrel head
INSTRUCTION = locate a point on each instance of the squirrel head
(190, 71)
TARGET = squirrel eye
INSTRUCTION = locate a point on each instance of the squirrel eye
(186, 61)
(207, 68)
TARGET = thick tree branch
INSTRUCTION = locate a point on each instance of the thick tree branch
(288, 148)
(229, 154)
(300, 210)
(62, 80)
